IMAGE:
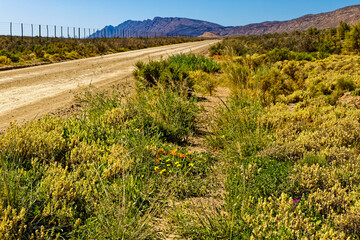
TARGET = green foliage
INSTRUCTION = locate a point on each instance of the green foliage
(352, 39)
(204, 82)
(4, 60)
(237, 75)
(276, 55)
(174, 72)
(311, 159)
(345, 84)
(238, 123)
(342, 30)
(166, 112)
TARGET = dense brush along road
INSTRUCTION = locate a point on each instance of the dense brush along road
(29, 93)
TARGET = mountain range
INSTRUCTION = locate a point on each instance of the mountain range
(174, 26)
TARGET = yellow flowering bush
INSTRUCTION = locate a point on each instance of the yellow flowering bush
(42, 139)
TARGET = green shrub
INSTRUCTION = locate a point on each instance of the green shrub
(174, 72)
(311, 159)
(344, 84)
(237, 75)
(5, 60)
(204, 83)
(276, 55)
(356, 92)
(170, 115)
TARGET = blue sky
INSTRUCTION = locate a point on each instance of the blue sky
(96, 14)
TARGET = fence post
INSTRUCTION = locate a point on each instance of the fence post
(62, 35)
(32, 30)
(22, 32)
(40, 30)
(47, 31)
(74, 32)
(55, 31)
(11, 31)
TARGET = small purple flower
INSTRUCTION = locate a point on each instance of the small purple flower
(296, 201)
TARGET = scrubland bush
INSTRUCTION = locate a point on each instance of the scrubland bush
(237, 75)
(204, 82)
(167, 113)
(174, 73)
(4, 60)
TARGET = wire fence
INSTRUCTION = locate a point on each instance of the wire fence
(53, 31)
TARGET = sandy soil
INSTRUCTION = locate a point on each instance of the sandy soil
(27, 94)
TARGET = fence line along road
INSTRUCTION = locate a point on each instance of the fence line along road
(53, 31)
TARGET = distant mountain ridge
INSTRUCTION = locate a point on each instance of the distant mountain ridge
(171, 26)
(350, 15)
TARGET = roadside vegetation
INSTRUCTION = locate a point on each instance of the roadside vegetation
(289, 138)
(286, 142)
(107, 172)
(29, 51)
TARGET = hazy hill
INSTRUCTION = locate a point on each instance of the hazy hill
(193, 28)
(164, 26)
(332, 19)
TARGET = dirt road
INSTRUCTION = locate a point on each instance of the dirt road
(29, 93)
